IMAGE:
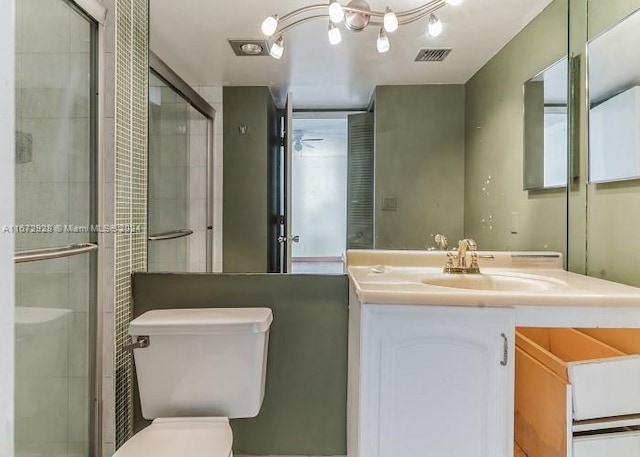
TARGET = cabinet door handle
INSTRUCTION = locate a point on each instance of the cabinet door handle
(505, 350)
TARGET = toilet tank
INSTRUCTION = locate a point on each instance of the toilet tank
(202, 362)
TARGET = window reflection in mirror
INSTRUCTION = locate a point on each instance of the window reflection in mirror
(614, 100)
(545, 128)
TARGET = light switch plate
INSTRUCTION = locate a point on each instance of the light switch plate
(514, 222)
(389, 203)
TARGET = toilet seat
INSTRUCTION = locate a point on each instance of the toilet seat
(181, 437)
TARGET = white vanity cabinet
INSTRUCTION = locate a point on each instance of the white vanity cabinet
(430, 381)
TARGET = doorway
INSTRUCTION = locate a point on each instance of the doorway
(319, 192)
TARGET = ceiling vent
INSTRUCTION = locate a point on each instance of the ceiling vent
(250, 48)
(432, 55)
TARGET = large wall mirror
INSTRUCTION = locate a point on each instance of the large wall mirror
(614, 100)
(545, 128)
(604, 208)
(448, 134)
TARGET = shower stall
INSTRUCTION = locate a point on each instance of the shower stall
(180, 213)
(56, 209)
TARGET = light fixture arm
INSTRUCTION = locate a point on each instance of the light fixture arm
(292, 25)
(404, 17)
(422, 15)
(303, 10)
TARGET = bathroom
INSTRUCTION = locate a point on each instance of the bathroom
(94, 130)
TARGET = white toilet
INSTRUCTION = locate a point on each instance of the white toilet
(196, 369)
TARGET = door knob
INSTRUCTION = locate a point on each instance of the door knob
(296, 239)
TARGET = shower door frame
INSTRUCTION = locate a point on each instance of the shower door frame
(196, 101)
(94, 12)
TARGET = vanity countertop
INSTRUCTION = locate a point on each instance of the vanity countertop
(531, 282)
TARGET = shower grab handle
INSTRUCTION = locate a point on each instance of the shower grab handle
(34, 255)
(170, 235)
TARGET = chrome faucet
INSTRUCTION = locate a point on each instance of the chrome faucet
(457, 261)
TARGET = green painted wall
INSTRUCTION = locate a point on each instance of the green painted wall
(245, 178)
(304, 409)
(494, 144)
(419, 160)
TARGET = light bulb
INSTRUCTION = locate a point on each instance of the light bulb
(434, 26)
(270, 25)
(453, 2)
(277, 48)
(336, 13)
(390, 21)
(382, 43)
(335, 36)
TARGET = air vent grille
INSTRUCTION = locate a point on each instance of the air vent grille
(433, 55)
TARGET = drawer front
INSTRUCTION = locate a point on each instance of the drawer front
(606, 387)
(623, 444)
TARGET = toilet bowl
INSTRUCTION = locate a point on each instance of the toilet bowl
(196, 368)
(172, 437)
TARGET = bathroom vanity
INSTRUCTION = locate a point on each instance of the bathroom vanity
(460, 364)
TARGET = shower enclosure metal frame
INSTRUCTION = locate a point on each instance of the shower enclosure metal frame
(170, 77)
(94, 11)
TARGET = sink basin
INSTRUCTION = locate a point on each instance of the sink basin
(489, 282)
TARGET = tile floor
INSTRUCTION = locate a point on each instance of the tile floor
(321, 268)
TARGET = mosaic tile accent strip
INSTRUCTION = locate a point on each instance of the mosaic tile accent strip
(132, 31)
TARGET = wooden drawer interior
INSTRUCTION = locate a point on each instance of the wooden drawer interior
(553, 366)
(542, 409)
(555, 348)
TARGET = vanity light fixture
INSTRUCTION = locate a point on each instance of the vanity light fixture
(336, 12)
(356, 15)
(382, 44)
(390, 21)
(277, 48)
(335, 36)
(270, 25)
(434, 26)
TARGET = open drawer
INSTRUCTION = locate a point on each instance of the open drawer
(621, 444)
(605, 381)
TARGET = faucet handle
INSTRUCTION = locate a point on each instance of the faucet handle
(441, 241)
(450, 259)
(474, 261)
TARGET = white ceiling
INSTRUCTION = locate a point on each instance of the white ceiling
(191, 36)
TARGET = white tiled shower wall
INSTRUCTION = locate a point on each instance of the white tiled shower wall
(170, 174)
(178, 145)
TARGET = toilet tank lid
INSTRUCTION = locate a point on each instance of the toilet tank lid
(203, 321)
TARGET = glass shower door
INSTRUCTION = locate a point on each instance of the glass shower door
(56, 250)
(178, 139)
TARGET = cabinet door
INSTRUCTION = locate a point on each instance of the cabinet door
(436, 381)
